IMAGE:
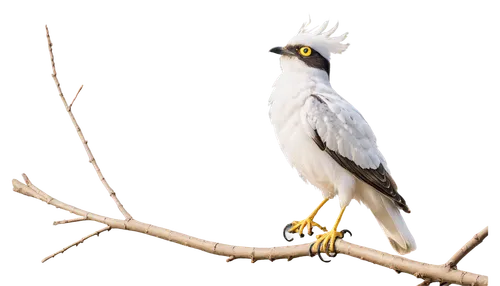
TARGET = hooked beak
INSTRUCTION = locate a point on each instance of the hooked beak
(281, 51)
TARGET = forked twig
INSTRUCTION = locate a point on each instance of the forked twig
(461, 253)
(80, 134)
(468, 247)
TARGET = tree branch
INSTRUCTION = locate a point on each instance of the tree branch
(76, 243)
(468, 247)
(70, 220)
(80, 134)
(398, 263)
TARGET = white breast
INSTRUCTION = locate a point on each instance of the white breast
(291, 89)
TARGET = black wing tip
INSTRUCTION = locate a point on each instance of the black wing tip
(406, 208)
(405, 205)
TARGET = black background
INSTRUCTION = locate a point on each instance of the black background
(178, 118)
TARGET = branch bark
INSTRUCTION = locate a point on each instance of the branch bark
(461, 253)
(76, 243)
(70, 220)
(92, 160)
(398, 263)
(468, 247)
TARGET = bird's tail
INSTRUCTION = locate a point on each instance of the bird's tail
(390, 220)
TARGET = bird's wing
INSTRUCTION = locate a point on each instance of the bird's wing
(340, 130)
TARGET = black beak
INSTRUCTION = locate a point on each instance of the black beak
(281, 51)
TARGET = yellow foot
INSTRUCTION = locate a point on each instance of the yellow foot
(305, 226)
(327, 241)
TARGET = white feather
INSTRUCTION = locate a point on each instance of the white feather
(352, 136)
(332, 30)
(389, 219)
(319, 40)
(321, 28)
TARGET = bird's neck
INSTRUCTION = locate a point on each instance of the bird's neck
(309, 74)
(294, 65)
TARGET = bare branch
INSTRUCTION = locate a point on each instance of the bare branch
(399, 263)
(70, 220)
(80, 134)
(75, 97)
(76, 243)
(468, 247)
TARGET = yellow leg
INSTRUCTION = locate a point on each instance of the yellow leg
(326, 242)
(298, 226)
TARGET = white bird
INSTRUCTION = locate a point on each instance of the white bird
(329, 142)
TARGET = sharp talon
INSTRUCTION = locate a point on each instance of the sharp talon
(318, 250)
(325, 244)
(347, 233)
(310, 250)
(321, 257)
(301, 235)
(287, 235)
(311, 233)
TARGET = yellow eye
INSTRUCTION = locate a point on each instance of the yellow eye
(305, 51)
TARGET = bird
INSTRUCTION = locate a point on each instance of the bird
(329, 142)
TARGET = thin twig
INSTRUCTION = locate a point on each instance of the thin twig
(75, 97)
(468, 247)
(80, 134)
(460, 254)
(399, 263)
(70, 220)
(26, 179)
(76, 243)
(230, 258)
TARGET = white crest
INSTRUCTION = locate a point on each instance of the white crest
(319, 39)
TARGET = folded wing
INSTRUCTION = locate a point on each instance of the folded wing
(340, 130)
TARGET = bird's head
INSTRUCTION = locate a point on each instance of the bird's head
(311, 48)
